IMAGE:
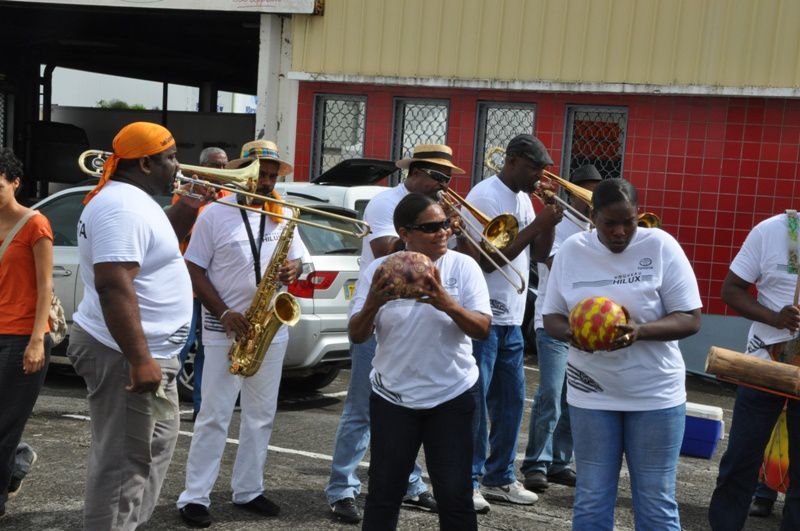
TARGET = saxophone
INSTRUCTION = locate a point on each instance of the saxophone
(268, 311)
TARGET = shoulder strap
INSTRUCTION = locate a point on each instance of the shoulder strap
(21, 223)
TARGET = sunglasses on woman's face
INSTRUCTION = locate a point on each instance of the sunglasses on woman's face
(438, 176)
(430, 228)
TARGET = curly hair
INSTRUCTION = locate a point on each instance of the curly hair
(10, 165)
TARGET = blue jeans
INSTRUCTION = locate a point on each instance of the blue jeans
(195, 333)
(549, 447)
(754, 416)
(651, 442)
(501, 401)
(352, 435)
(18, 394)
(397, 433)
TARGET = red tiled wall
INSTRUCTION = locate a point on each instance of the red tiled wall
(710, 167)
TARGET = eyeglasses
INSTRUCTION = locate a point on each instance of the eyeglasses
(430, 228)
(438, 176)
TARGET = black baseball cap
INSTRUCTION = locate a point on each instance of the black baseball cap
(585, 173)
(531, 148)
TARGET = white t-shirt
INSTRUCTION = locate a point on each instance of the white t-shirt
(423, 358)
(651, 278)
(492, 197)
(124, 224)
(568, 226)
(763, 261)
(221, 246)
(380, 216)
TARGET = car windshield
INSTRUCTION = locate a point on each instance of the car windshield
(320, 241)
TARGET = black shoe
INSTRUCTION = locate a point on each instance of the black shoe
(761, 507)
(536, 482)
(565, 477)
(261, 505)
(346, 510)
(196, 515)
(424, 501)
(15, 483)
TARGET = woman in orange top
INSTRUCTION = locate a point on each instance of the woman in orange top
(26, 286)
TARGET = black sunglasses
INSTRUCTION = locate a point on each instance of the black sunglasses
(430, 228)
(438, 176)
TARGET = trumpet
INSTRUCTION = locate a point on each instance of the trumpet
(548, 195)
(241, 181)
(495, 233)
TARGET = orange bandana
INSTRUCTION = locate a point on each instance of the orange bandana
(135, 140)
(274, 208)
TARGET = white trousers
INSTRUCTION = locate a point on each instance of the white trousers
(258, 403)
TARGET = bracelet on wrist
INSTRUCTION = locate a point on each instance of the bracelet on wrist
(223, 314)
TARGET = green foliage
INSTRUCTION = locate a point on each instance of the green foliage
(119, 104)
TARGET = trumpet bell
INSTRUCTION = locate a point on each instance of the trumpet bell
(648, 220)
(501, 230)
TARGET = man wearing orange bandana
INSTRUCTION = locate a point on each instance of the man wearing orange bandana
(229, 251)
(131, 325)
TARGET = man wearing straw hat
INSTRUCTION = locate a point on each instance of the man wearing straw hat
(429, 170)
(131, 325)
(500, 356)
(227, 255)
(768, 261)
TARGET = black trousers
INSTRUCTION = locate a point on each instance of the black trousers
(445, 432)
(18, 393)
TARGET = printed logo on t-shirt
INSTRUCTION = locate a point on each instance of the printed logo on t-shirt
(582, 381)
(625, 278)
(498, 307)
(212, 324)
(450, 282)
(180, 335)
(380, 388)
(81, 229)
(755, 343)
(646, 263)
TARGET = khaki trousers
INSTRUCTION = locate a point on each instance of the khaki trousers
(130, 450)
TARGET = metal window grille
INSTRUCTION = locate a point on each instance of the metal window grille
(339, 128)
(418, 121)
(498, 123)
(595, 135)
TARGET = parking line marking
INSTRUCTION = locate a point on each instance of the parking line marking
(335, 395)
(534, 369)
(271, 448)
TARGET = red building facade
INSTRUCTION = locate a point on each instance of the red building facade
(710, 167)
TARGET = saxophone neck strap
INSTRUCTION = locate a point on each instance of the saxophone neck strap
(256, 249)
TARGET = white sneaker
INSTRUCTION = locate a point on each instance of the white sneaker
(480, 503)
(512, 493)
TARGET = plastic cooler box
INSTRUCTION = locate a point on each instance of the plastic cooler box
(704, 429)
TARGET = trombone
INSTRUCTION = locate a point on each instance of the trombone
(495, 233)
(548, 195)
(242, 181)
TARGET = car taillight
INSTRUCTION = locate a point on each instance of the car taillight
(318, 280)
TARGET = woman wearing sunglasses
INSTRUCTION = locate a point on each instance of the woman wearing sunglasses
(424, 375)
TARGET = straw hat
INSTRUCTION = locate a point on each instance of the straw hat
(263, 150)
(432, 154)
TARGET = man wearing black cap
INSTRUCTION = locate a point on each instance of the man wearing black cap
(549, 451)
(500, 356)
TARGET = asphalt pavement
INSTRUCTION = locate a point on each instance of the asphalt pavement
(297, 469)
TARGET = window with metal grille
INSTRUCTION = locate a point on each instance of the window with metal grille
(498, 123)
(595, 135)
(339, 128)
(418, 121)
